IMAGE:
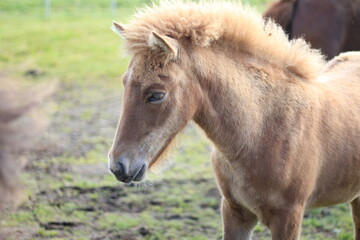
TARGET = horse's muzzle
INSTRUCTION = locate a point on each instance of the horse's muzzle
(125, 173)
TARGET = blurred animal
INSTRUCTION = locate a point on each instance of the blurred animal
(17, 128)
(332, 26)
(286, 127)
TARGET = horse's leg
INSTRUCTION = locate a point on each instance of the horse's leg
(238, 222)
(285, 224)
(355, 207)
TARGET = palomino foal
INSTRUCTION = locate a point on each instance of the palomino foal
(286, 129)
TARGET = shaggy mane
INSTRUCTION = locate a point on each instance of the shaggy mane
(207, 22)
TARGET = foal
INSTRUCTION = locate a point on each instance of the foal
(286, 129)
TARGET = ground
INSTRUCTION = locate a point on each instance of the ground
(71, 194)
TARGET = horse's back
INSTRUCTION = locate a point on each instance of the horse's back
(342, 71)
(342, 77)
(343, 61)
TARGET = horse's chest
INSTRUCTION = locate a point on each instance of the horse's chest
(237, 191)
(235, 185)
(241, 187)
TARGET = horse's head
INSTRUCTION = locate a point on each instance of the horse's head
(159, 100)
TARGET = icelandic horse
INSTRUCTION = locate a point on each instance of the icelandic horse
(285, 125)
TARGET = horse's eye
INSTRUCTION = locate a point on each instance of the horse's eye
(156, 97)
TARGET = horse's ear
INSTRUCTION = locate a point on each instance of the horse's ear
(118, 28)
(169, 45)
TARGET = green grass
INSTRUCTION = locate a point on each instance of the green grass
(77, 47)
(79, 50)
(122, 222)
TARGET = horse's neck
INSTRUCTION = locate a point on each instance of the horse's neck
(236, 101)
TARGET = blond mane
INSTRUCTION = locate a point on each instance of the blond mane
(207, 22)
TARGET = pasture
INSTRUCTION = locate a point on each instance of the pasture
(71, 194)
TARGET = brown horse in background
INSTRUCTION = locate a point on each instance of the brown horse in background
(18, 126)
(285, 126)
(330, 25)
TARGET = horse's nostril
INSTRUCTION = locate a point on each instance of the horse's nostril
(121, 168)
(140, 175)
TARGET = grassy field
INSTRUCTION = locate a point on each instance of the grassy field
(71, 194)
